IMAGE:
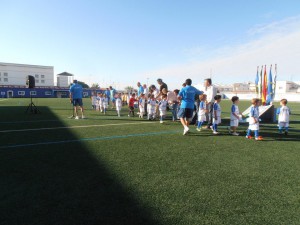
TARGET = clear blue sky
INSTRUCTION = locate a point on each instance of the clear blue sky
(122, 41)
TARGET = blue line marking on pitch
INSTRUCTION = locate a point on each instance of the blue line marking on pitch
(89, 139)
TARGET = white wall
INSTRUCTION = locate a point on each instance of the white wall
(64, 81)
(293, 97)
(17, 73)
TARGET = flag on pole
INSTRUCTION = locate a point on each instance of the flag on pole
(270, 88)
(261, 81)
(256, 82)
(264, 87)
(274, 83)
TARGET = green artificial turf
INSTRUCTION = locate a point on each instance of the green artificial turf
(132, 171)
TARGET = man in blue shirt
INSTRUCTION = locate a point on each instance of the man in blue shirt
(76, 98)
(187, 96)
(107, 93)
(140, 89)
(112, 96)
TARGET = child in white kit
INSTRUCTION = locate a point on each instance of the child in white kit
(254, 120)
(216, 114)
(163, 108)
(105, 103)
(235, 116)
(283, 117)
(202, 111)
(94, 100)
(151, 106)
(98, 101)
(118, 104)
(142, 102)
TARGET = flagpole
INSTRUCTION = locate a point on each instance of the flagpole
(261, 82)
(257, 83)
(275, 80)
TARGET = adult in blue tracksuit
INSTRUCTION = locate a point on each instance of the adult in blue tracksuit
(107, 93)
(187, 96)
(140, 90)
(112, 95)
(76, 98)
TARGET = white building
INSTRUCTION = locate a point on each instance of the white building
(64, 79)
(283, 87)
(16, 74)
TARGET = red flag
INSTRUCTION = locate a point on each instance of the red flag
(264, 87)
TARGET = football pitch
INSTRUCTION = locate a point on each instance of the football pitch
(110, 170)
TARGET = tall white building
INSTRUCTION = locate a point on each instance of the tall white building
(64, 79)
(16, 74)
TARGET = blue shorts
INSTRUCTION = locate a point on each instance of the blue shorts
(77, 101)
(185, 113)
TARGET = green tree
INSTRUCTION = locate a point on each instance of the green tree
(95, 86)
(84, 85)
(129, 89)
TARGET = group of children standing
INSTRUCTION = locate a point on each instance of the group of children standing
(151, 106)
(235, 116)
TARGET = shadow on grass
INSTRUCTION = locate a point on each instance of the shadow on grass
(61, 183)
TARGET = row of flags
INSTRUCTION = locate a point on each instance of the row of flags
(266, 85)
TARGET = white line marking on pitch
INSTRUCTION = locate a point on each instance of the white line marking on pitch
(3, 100)
(72, 127)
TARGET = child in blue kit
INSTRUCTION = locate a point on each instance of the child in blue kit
(254, 120)
(216, 114)
(202, 111)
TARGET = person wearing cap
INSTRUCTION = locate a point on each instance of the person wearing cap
(76, 98)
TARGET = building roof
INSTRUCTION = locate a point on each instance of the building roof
(25, 65)
(65, 74)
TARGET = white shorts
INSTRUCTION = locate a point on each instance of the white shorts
(142, 109)
(254, 126)
(201, 118)
(217, 121)
(283, 124)
(234, 123)
(162, 112)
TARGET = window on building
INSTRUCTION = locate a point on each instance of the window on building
(21, 93)
(42, 76)
(42, 81)
(5, 79)
(48, 92)
(32, 92)
(36, 76)
(5, 74)
(37, 81)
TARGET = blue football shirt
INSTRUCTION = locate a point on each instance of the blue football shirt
(76, 90)
(187, 95)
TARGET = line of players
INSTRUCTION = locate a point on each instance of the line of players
(153, 106)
